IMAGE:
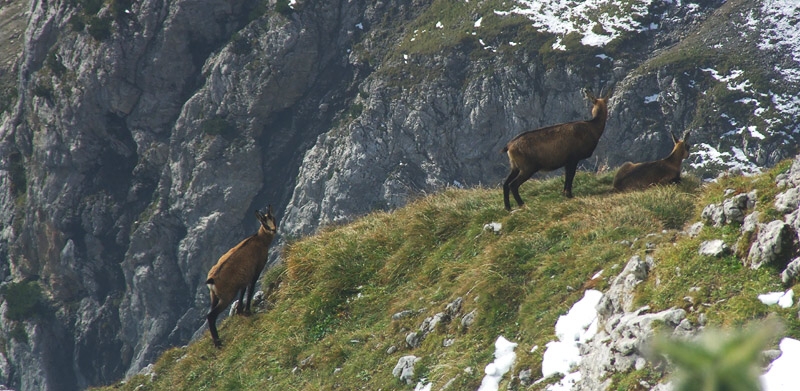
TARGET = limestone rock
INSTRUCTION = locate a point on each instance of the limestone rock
(772, 246)
(713, 248)
(405, 369)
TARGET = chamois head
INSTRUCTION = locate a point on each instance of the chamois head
(599, 105)
(268, 220)
(680, 147)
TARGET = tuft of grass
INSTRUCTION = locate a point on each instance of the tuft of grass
(330, 323)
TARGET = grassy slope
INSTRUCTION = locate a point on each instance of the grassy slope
(340, 288)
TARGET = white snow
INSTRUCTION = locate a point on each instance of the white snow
(734, 160)
(422, 386)
(783, 299)
(578, 326)
(478, 22)
(597, 21)
(360, 26)
(651, 98)
(504, 358)
(780, 31)
(782, 373)
(439, 25)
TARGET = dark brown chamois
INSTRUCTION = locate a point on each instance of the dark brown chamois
(553, 147)
(638, 176)
(238, 270)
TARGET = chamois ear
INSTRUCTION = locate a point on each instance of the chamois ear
(674, 139)
(607, 94)
(686, 135)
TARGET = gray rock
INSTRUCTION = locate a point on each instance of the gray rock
(713, 214)
(468, 319)
(771, 355)
(405, 369)
(403, 314)
(750, 223)
(525, 377)
(734, 208)
(413, 339)
(788, 201)
(619, 296)
(713, 248)
(453, 308)
(752, 199)
(772, 246)
(620, 343)
(789, 275)
(695, 229)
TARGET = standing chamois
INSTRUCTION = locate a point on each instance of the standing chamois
(638, 176)
(238, 270)
(553, 147)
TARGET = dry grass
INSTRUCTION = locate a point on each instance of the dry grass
(331, 324)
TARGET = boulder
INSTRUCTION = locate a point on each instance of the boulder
(772, 246)
(405, 369)
(713, 248)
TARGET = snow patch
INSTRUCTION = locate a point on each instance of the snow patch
(504, 358)
(597, 21)
(783, 299)
(782, 373)
(578, 326)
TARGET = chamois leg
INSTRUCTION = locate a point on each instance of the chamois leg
(513, 174)
(517, 182)
(250, 292)
(216, 308)
(569, 175)
(240, 304)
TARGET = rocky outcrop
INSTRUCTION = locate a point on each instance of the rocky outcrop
(620, 343)
(140, 136)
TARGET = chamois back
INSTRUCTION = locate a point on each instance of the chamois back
(638, 176)
(237, 271)
(553, 147)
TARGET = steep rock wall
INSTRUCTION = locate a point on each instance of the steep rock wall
(133, 156)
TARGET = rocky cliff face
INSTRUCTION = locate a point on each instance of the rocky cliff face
(137, 138)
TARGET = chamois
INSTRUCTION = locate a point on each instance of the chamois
(638, 176)
(238, 270)
(552, 147)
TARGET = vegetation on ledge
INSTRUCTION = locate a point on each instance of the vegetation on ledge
(330, 325)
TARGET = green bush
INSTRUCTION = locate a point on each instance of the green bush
(218, 126)
(99, 28)
(54, 64)
(24, 299)
(283, 7)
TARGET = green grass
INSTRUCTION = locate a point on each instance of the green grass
(330, 326)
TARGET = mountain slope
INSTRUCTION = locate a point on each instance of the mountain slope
(137, 137)
(351, 296)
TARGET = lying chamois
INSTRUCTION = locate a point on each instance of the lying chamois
(552, 147)
(638, 176)
(238, 270)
